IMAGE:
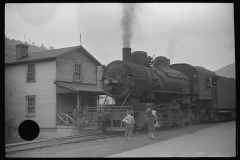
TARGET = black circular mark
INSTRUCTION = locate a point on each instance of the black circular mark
(28, 130)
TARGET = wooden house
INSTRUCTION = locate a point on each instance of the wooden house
(47, 86)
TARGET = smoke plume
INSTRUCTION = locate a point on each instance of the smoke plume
(174, 39)
(127, 21)
(171, 46)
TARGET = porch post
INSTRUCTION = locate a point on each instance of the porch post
(97, 100)
(78, 100)
(56, 109)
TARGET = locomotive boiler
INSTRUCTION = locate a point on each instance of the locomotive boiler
(134, 75)
(180, 93)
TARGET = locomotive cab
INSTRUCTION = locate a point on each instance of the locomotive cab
(200, 78)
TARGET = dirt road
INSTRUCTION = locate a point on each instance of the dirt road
(216, 139)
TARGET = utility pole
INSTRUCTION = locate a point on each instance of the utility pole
(80, 39)
(24, 38)
(29, 40)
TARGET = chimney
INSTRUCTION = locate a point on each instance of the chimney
(21, 51)
(126, 53)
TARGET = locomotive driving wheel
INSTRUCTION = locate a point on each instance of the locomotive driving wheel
(175, 118)
(186, 117)
(204, 117)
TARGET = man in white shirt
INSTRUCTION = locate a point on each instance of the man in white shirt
(129, 122)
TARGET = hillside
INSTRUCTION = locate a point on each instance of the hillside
(10, 48)
(227, 71)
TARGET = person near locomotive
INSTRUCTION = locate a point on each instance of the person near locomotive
(151, 116)
(129, 122)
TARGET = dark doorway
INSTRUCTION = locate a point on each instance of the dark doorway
(92, 102)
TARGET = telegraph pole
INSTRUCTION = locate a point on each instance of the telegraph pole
(80, 40)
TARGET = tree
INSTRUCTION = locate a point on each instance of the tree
(43, 47)
(51, 47)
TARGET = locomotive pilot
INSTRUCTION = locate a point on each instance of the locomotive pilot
(129, 122)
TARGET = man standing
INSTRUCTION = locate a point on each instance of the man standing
(129, 122)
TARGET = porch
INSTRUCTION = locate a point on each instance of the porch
(71, 120)
(66, 119)
(72, 99)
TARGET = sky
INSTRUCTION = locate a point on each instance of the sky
(201, 34)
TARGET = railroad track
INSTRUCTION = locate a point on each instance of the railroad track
(23, 146)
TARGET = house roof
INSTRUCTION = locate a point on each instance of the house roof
(50, 54)
(80, 87)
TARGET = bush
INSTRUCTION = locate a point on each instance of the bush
(8, 128)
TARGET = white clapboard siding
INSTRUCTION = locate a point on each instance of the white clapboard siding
(16, 89)
(99, 75)
(66, 67)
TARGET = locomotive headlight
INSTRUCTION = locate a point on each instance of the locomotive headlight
(106, 82)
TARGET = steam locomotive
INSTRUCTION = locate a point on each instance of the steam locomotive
(180, 93)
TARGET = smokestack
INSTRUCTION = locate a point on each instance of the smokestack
(126, 52)
(21, 51)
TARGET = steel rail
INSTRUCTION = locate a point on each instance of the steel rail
(17, 147)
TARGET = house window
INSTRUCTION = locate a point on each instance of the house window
(77, 71)
(31, 105)
(30, 73)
